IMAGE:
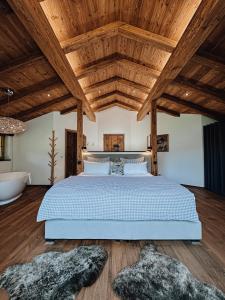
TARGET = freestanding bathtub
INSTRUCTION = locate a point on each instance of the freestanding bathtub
(12, 185)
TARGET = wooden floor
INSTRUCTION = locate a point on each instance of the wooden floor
(21, 238)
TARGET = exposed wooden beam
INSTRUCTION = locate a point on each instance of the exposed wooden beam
(168, 111)
(130, 97)
(116, 79)
(195, 107)
(80, 140)
(210, 92)
(207, 16)
(137, 67)
(103, 97)
(147, 37)
(96, 66)
(209, 60)
(34, 19)
(105, 106)
(114, 60)
(126, 106)
(117, 94)
(123, 29)
(21, 63)
(82, 40)
(154, 160)
(68, 110)
(134, 85)
(5, 9)
(97, 86)
(36, 89)
(115, 103)
(48, 104)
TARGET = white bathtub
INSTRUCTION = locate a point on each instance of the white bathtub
(12, 185)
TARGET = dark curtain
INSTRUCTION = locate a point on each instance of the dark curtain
(214, 157)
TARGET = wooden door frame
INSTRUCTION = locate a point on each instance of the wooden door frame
(72, 131)
(110, 134)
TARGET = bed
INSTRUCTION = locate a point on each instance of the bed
(120, 207)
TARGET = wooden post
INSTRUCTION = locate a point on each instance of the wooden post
(79, 136)
(154, 162)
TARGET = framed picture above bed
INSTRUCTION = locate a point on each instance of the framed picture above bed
(162, 142)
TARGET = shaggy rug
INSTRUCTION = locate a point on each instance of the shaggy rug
(159, 277)
(54, 275)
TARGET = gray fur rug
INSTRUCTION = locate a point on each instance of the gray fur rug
(54, 275)
(159, 277)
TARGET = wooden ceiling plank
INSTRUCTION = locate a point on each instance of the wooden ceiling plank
(68, 110)
(210, 92)
(196, 107)
(207, 16)
(209, 60)
(33, 18)
(147, 37)
(41, 106)
(77, 42)
(168, 111)
(21, 63)
(38, 88)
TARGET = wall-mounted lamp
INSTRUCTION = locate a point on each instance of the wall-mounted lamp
(149, 149)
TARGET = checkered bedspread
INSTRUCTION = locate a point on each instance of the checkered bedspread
(118, 198)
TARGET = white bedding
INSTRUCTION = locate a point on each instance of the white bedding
(118, 198)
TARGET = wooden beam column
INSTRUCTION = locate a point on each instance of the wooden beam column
(154, 161)
(79, 136)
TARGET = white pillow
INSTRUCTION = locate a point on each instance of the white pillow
(98, 159)
(133, 160)
(135, 169)
(96, 168)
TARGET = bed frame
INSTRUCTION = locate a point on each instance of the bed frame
(123, 230)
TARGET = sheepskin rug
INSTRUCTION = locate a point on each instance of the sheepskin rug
(159, 277)
(54, 275)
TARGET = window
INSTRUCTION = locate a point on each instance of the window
(2, 147)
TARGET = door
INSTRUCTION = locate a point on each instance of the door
(113, 142)
(71, 152)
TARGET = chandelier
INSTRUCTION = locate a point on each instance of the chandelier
(10, 125)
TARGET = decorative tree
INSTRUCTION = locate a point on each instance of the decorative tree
(52, 154)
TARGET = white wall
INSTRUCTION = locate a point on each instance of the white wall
(30, 150)
(183, 163)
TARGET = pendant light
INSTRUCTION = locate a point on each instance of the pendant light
(10, 125)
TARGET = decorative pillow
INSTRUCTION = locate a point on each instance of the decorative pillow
(135, 168)
(98, 159)
(117, 168)
(96, 168)
(132, 160)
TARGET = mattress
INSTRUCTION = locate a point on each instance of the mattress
(128, 198)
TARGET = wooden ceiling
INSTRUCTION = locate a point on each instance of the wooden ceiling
(107, 53)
